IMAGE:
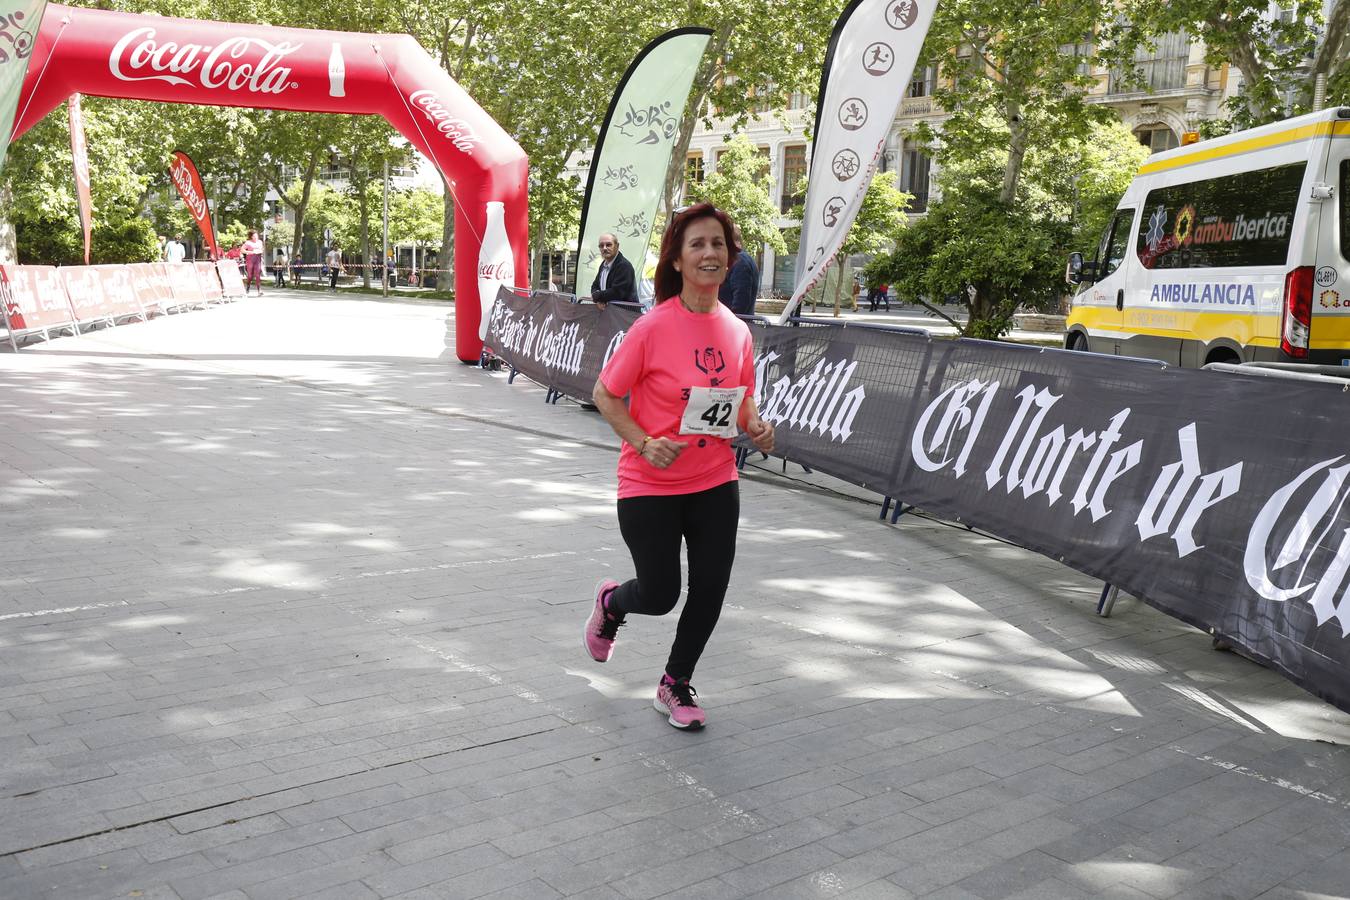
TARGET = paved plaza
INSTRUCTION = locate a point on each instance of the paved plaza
(291, 607)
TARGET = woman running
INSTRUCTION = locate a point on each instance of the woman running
(253, 258)
(688, 368)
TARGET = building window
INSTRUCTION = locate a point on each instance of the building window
(1160, 68)
(693, 168)
(1082, 51)
(1157, 138)
(923, 82)
(914, 170)
(794, 171)
(784, 274)
(798, 100)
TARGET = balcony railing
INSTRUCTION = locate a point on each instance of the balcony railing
(916, 106)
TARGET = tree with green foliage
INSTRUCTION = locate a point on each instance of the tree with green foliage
(232, 234)
(1014, 78)
(1015, 82)
(544, 71)
(742, 187)
(415, 217)
(880, 217)
(1277, 54)
(547, 72)
(761, 52)
(369, 146)
(298, 146)
(45, 212)
(329, 212)
(972, 249)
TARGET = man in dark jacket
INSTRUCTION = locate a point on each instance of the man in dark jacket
(615, 280)
(741, 286)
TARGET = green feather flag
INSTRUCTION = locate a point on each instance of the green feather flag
(628, 169)
(19, 20)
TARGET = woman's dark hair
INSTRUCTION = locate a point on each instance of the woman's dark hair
(252, 233)
(668, 282)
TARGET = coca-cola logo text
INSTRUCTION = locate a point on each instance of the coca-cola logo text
(183, 180)
(460, 132)
(497, 271)
(138, 57)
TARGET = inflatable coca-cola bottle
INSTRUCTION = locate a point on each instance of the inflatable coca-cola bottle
(337, 72)
(496, 262)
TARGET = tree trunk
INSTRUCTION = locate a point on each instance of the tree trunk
(311, 169)
(448, 232)
(1334, 50)
(9, 248)
(363, 201)
(1258, 91)
(1017, 151)
(838, 282)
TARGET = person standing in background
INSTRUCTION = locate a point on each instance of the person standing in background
(279, 266)
(741, 287)
(174, 251)
(334, 261)
(616, 279)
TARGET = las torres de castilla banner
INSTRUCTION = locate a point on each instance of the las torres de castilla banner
(1151, 478)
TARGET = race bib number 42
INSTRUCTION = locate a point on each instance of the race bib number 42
(712, 411)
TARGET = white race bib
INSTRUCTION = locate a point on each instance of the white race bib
(712, 411)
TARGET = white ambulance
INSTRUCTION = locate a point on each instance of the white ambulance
(1230, 250)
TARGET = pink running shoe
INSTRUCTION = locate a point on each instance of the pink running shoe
(677, 699)
(601, 627)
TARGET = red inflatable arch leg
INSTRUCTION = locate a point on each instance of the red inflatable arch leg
(113, 54)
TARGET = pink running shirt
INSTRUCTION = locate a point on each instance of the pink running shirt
(667, 350)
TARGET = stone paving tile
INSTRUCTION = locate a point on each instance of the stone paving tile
(325, 586)
(1013, 876)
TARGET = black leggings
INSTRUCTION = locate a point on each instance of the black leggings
(652, 528)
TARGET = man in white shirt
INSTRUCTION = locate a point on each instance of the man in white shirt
(615, 280)
(174, 251)
(334, 260)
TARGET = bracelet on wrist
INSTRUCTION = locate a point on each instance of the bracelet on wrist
(646, 439)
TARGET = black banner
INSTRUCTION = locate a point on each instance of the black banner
(1217, 498)
(555, 342)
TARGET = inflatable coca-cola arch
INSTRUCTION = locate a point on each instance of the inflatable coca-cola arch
(135, 57)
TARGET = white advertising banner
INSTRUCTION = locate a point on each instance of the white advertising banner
(867, 68)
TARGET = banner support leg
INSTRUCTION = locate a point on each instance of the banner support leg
(1107, 600)
(900, 508)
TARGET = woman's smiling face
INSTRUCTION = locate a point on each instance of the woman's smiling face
(703, 258)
